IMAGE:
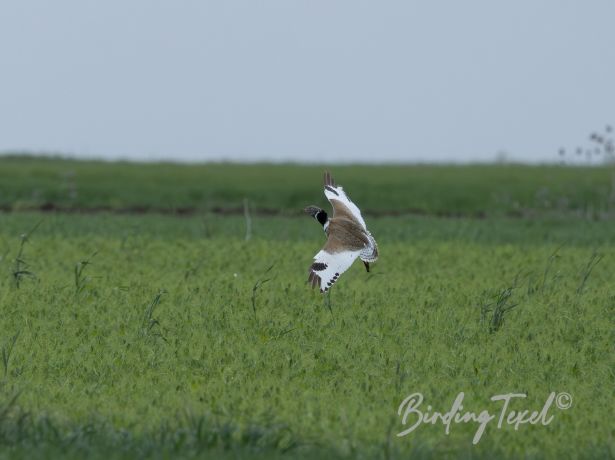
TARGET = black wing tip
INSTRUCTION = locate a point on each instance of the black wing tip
(329, 180)
(313, 279)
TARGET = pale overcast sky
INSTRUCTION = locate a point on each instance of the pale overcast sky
(305, 80)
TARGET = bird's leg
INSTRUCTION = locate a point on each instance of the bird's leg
(366, 266)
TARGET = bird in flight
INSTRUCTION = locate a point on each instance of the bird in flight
(347, 238)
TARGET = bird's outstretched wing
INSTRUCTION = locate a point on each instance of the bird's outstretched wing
(342, 206)
(328, 267)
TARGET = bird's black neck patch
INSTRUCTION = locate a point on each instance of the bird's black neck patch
(321, 216)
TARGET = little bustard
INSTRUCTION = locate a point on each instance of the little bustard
(347, 238)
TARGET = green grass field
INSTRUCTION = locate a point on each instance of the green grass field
(478, 190)
(134, 332)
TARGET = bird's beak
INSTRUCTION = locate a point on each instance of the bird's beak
(366, 266)
(311, 210)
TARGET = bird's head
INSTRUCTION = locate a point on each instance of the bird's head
(319, 214)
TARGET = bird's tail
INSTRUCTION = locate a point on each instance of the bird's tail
(370, 252)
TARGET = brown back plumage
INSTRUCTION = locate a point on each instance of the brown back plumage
(344, 235)
(341, 211)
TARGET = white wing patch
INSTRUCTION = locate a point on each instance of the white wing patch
(334, 192)
(328, 267)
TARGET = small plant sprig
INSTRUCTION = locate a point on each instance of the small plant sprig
(601, 144)
(7, 350)
(149, 322)
(327, 301)
(80, 279)
(20, 267)
(594, 260)
(498, 309)
(547, 280)
(248, 219)
(256, 287)
(4, 411)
